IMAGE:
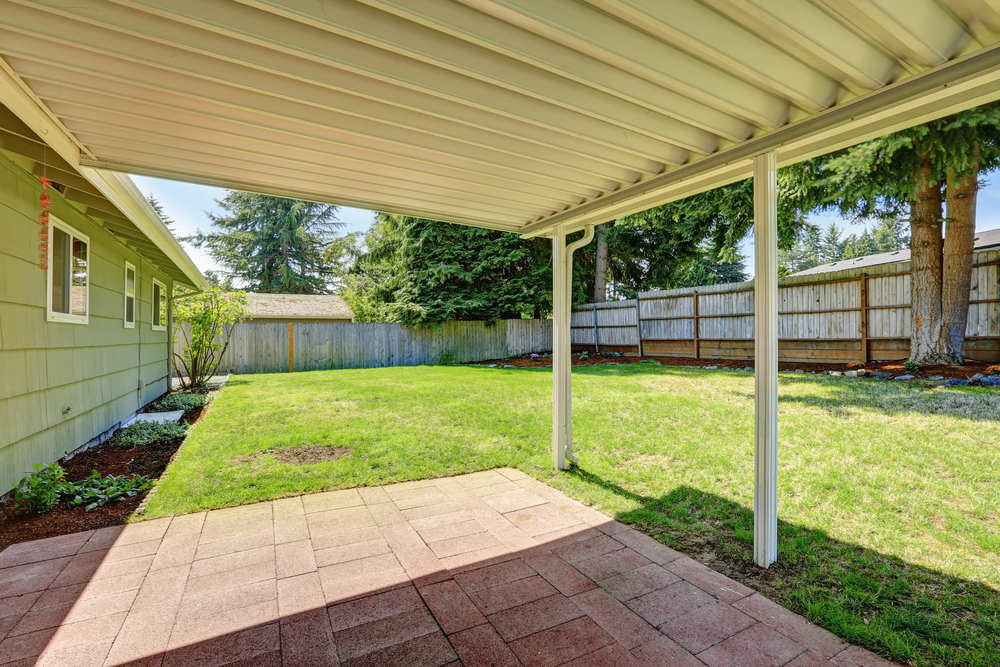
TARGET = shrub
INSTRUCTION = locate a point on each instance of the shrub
(911, 365)
(142, 433)
(204, 323)
(97, 490)
(39, 491)
(183, 402)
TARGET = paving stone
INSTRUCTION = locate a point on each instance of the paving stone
(373, 495)
(73, 611)
(249, 645)
(336, 538)
(493, 575)
(821, 641)
(299, 594)
(349, 552)
(561, 643)
(483, 478)
(668, 603)
(307, 640)
(492, 489)
(809, 659)
(339, 520)
(664, 651)
(647, 546)
(541, 519)
(358, 640)
(385, 513)
(534, 616)
(374, 608)
(709, 580)
(450, 530)
(574, 552)
(639, 581)
(317, 502)
(855, 656)
(464, 544)
(481, 646)
(357, 578)
(616, 619)
(611, 564)
(38, 576)
(564, 577)
(451, 607)
(430, 649)
(497, 598)
(699, 629)
(513, 500)
(612, 655)
(758, 645)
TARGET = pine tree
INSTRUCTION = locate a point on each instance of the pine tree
(418, 271)
(271, 244)
(930, 174)
(155, 204)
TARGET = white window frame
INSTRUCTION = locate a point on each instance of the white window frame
(155, 307)
(135, 301)
(51, 315)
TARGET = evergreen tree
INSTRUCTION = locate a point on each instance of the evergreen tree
(418, 271)
(271, 244)
(929, 173)
(155, 204)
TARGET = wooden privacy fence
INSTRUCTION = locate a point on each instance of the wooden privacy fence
(270, 346)
(849, 315)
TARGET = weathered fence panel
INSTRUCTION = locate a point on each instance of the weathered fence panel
(263, 346)
(852, 315)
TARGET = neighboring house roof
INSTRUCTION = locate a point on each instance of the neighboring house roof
(986, 239)
(298, 307)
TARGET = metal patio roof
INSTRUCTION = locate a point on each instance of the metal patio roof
(510, 114)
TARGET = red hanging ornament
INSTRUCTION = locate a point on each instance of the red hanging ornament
(43, 217)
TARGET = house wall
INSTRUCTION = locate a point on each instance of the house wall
(61, 384)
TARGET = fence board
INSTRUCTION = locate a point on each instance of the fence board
(821, 317)
(261, 346)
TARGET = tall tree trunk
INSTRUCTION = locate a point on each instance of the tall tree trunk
(959, 240)
(601, 266)
(928, 344)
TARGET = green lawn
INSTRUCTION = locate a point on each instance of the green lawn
(889, 492)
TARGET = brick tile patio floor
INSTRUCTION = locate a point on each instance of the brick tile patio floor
(491, 568)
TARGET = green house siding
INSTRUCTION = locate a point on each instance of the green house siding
(61, 384)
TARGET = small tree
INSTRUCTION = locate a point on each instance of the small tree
(205, 321)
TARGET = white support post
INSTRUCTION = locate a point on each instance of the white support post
(562, 366)
(560, 351)
(765, 228)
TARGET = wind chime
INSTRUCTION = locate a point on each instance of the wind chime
(43, 217)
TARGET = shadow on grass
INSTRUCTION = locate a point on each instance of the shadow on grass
(903, 611)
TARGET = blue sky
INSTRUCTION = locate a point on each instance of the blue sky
(187, 204)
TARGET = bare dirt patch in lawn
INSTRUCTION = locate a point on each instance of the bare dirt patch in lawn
(301, 455)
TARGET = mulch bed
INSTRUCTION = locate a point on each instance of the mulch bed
(964, 371)
(105, 459)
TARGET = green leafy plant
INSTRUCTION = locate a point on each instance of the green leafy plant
(911, 365)
(39, 491)
(185, 402)
(205, 322)
(97, 490)
(143, 433)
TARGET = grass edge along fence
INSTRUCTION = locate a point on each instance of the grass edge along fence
(849, 315)
(272, 346)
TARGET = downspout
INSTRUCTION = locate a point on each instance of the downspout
(588, 236)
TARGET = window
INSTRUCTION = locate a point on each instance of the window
(159, 318)
(68, 274)
(129, 295)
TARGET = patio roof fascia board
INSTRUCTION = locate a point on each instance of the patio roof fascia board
(116, 187)
(961, 83)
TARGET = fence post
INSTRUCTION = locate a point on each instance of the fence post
(697, 341)
(291, 347)
(638, 325)
(597, 330)
(864, 318)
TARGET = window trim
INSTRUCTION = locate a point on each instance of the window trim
(155, 306)
(51, 315)
(135, 301)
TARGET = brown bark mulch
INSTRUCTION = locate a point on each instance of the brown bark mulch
(106, 459)
(964, 371)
